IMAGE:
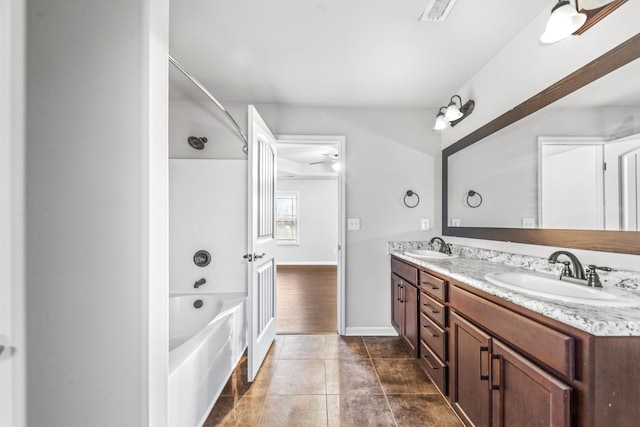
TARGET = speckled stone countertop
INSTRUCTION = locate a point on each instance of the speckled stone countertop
(472, 264)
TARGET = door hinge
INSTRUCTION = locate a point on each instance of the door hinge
(604, 166)
(248, 257)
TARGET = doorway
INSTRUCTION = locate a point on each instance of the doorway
(310, 218)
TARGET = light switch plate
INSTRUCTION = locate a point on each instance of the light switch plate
(425, 224)
(353, 224)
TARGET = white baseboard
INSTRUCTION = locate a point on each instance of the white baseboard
(307, 263)
(371, 331)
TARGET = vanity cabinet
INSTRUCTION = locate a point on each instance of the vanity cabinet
(493, 385)
(470, 374)
(500, 364)
(433, 329)
(404, 303)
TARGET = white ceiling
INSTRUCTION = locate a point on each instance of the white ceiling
(338, 52)
(307, 161)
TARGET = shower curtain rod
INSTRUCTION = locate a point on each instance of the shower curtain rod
(211, 97)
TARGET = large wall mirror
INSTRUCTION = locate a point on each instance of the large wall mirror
(561, 169)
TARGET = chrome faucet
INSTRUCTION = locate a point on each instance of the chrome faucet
(199, 283)
(442, 246)
(577, 272)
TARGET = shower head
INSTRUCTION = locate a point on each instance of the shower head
(197, 142)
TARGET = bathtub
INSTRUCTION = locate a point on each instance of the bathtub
(205, 344)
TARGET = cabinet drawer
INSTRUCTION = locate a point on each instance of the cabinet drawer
(406, 271)
(434, 337)
(552, 348)
(433, 286)
(433, 310)
(435, 368)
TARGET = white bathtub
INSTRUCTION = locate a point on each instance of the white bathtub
(205, 344)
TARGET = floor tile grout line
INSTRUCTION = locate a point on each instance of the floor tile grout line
(262, 410)
(384, 393)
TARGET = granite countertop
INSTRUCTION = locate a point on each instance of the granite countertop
(596, 320)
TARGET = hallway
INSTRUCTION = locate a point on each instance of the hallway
(307, 299)
(328, 380)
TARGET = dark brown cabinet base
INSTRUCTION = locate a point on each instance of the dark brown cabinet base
(505, 365)
(493, 385)
(404, 304)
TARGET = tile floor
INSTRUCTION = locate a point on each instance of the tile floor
(328, 380)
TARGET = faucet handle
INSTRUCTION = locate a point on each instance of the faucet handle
(593, 279)
(566, 270)
(595, 267)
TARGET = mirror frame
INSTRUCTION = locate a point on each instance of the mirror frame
(627, 242)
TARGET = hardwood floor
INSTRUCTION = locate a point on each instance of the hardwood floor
(307, 299)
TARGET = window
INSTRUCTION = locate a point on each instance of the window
(287, 223)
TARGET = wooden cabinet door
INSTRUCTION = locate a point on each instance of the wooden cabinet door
(469, 371)
(397, 306)
(523, 395)
(411, 331)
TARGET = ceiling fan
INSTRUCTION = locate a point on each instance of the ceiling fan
(333, 158)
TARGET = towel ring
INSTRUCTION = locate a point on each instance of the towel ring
(411, 194)
(475, 196)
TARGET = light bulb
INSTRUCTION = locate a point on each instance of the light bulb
(563, 22)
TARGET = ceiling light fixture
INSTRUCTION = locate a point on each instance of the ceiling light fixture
(564, 21)
(453, 113)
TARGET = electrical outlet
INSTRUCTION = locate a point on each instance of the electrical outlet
(424, 224)
(528, 223)
(353, 224)
(455, 222)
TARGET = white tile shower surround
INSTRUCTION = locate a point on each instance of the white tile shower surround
(474, 263)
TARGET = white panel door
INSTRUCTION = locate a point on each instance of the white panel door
(12, 348)
(630, 190)
(571, 186)
(261, 254)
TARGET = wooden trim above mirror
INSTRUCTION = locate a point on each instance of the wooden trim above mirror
(609, 241)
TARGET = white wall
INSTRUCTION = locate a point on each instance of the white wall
(388, 151)
(318, 222)
(208, 211)
(12, 280)
(96, 212)
(522, 69)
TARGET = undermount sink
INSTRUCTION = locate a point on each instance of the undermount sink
(558, 289)
(424, 253)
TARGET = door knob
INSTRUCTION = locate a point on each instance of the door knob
(6, 351)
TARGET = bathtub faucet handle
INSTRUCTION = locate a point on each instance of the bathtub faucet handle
(199, 283)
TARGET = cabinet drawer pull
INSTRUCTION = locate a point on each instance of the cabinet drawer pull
(483, 377)
(428, 362)
(495, 372)
(428, 329)
(431, 285)
(431, 309)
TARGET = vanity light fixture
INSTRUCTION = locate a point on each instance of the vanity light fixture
(441, 122)
(564, 21)
(453, 113)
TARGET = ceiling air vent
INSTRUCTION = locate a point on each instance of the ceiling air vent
(437, 10)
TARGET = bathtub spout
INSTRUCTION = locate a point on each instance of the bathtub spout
(199, 283)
